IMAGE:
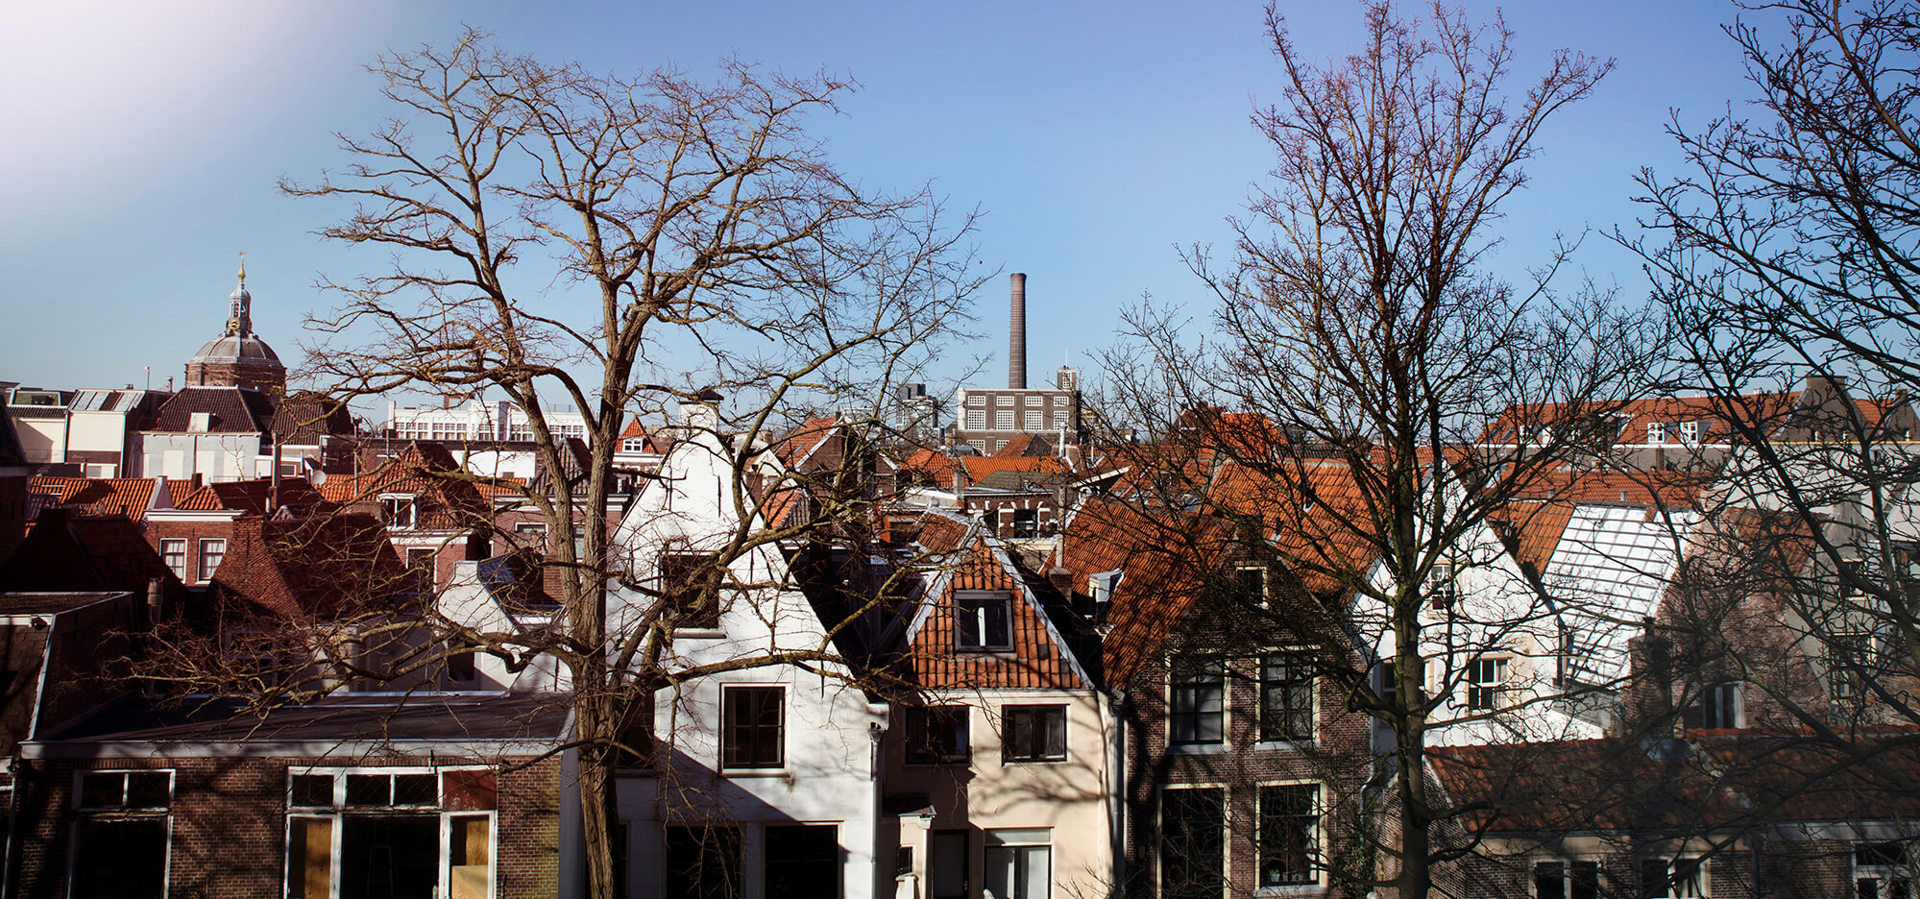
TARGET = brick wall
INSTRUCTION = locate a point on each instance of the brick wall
(229, 820)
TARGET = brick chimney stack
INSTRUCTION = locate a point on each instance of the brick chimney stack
(1017, 335)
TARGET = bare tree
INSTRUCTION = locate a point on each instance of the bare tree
(625, 246)
(1787, 255)
(1358, 344)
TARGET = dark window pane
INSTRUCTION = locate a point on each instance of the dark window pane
(803, 861)
(703, 863)
(389, 855)
(149, 789)
(937, 735)
(103, 790)
(1289, 828)
(983, 624)
(1035, 733)
(313, 790)
(415, 789)
(1286, 699)
(1193, 846)
(369, 789)
(1198, 705)
(120, 858)
(753, 735)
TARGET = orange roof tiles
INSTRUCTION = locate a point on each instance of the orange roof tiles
(125, 497)
(1036, 660)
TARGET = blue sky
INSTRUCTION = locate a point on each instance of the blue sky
(144, 142)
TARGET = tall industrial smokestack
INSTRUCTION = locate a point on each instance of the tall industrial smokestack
(1017, 335)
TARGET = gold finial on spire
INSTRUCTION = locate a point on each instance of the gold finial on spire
(243, 268)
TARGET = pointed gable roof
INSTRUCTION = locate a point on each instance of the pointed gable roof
(425, 470)
(1039, 658)
(312, 567)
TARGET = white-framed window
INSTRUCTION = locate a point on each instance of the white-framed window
(1003, 420)
(976, 400)
(1250, 584)
(174, 553)
(1033, 733)
(1848, 656)
(212, 552)
(1881, 871)
(1719, 706)
(1286, 698)
(122, 830)
(414, 830)
(1663, 877)
(1566, 878)
(1193, 842)
(1196, 702)
(1443, 590)
(1486, 680)
(1034, 422)
(1289, 838)
(399, 511)
(1657, 432)
(1689, 432)
(1059, 419)
(1003, 400)
(976, 419)
(1019, 863)
(753, 727)
(633, 444)
(983, 622)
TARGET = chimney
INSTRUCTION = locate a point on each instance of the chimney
(1649, 692)
(1017, 335)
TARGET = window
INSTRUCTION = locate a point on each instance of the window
(212, 552)
(1286, 698)
(1672, 878)
(1445, 590)
(1003, 420)
(937, 735)
(1019, 863)
(802, 861)
(1034, 420)
(400, 512)
(1059, 419)
(1847, 657)
(983, 623)
(120, 836)
(976, 419)
(1657, 432)
(1289, 834)
(1385, 684)
(1486, 679)
(1026, 522)
(689, 583)
(1880, 871)
(1197, 703)
(1034, 733)
(1560, 879)
(976, 400)
(1193, 844)
(752, 727)
(633, 444)
(461, 667)
(1689, 432)
(1003, 400)
(703, 863)
(1718, 707)
(1250, 584)
(174, 553)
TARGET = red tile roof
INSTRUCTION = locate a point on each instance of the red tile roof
(254, 496)
(314, 567)
(1036, 661)
(453, 500)
(126, 497)
(1166, 558)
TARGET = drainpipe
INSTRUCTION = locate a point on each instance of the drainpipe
(1116, 787)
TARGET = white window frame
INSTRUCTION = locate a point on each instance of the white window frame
(1692, 887)
(1012, 840)
(1657, 432)
(1035, 420)
(1003, 420)
(173, 551)
(339, 811)
(1488, 680)
(202, 571)
(1882, 875)
(1690, 432)
(1318, 838)
(1199, 668)
(1722, 705)
(976, 419)
(1566, 879)
(122, 813)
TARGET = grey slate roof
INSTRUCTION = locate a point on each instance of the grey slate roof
(232, 410)
(344, 719)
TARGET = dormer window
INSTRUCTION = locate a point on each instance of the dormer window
(1657, 432)
(1689, 432)
(983, 622)
(400, 511)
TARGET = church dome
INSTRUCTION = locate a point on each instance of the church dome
(238, 357)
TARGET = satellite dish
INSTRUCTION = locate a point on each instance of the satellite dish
(316, 475)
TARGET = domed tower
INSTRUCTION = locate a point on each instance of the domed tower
(238, 357)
